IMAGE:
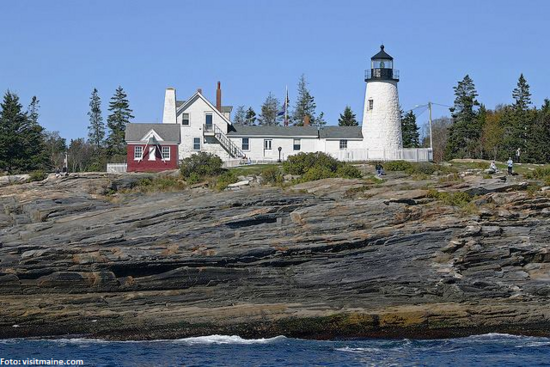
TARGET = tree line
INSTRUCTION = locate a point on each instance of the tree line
(474, 131)
(26, 146)
(272, 111)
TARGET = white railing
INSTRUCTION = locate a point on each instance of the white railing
(410, 154)
(116, 167)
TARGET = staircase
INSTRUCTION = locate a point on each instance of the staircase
(233, 150)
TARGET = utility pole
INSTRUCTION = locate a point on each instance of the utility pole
(430, 121)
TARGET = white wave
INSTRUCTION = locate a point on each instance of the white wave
(359, 350)
(226, 339)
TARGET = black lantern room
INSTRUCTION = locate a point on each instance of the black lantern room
(382, 67)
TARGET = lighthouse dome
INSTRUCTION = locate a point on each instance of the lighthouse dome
(382, 55)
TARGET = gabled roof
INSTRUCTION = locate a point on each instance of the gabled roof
(274, 131)
(326, 132)
(169, 133)
(382, 55)
(196, 96)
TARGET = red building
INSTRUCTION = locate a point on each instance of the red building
(152, 147)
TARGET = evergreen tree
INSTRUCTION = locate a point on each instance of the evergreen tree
(116, 122)
(250, 117)
(240, 116)
(270, 108)
(55, 147)
(305, 103)
(409, 130)
(33, 110)
(465, 132)
(21, 139)
(521, 94)
(347, 118)
(320, 120)
(96, 129)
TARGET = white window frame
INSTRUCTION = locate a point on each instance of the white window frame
(299, 144)
(136, 149)
(247, 144)
(270, 144)
(344, 145)
(188, 119)
(165, 153)
(199, 140)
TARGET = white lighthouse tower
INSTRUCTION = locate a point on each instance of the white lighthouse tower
(381, 116)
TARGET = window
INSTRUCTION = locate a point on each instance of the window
(197, 143)
(297, 144)
(166, 153)
(185, 119)
(152, 153)
(371, 104)
(343, 144)
(245, 144)
(267, 144)
(138, 152)
(208, 121)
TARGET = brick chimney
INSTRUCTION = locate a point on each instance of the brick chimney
(219, 97)
(307, 120)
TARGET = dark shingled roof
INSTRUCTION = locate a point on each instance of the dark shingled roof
(327, 132)
(382, 55)
(179, 103)
(167, 132)
(341, 132)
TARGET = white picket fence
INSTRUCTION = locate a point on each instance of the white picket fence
(410, 154)
(116, 167)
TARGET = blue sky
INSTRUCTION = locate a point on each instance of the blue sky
(60, 50)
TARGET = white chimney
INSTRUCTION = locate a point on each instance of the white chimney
(169, 115)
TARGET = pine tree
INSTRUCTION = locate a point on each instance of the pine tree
(96, 129)
(32, 111)
(240, 116)
(409, 130)
(465, 132)
(116, 122)
(521, 94)
(305, 103)
(250, 117)
(21, 138)
(347, 118)
(270, 108)
(320, 120)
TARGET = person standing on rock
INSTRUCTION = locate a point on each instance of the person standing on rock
(510, 166)
(518, 153)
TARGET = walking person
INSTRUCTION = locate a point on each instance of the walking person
(510, 166)
(518, 153)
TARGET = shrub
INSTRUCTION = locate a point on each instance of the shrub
(38, 175)
(421, 168)
(300, 163)
(159, 184)
(397, 166)
(458, 198)
(539, 173)
(225, 180)
(317, 173)
(202, 164)
(193, 178)
(348, 171)
(272, 175)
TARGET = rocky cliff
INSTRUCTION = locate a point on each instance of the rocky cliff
(331, 258)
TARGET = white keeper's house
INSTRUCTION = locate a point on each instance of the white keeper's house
(207, 127)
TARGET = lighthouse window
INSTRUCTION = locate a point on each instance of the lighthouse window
(371, 104)
(343, 144)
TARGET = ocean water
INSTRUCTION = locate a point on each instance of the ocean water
(218, 350)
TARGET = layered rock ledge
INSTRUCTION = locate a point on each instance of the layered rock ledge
(325, 259)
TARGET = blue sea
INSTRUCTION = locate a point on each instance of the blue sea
(219, 350)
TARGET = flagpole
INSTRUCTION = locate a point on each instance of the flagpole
(286, 107)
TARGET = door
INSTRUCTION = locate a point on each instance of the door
(267, 147)
(208, 122)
